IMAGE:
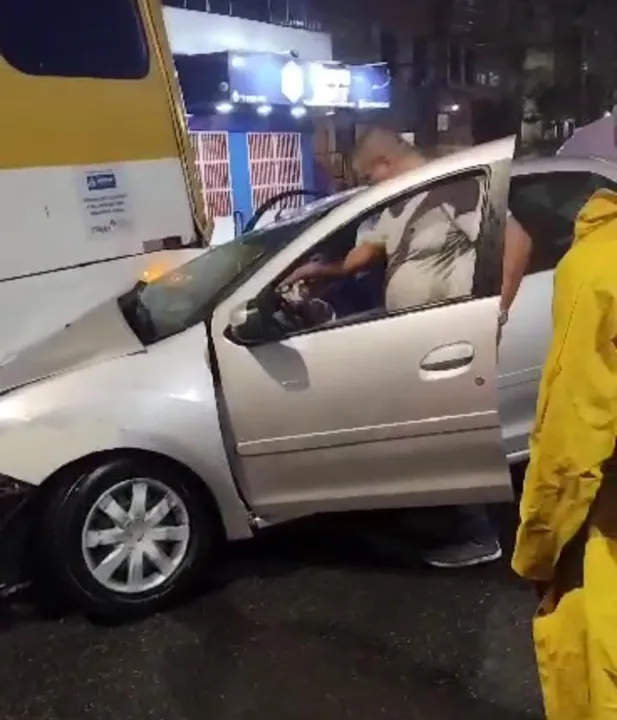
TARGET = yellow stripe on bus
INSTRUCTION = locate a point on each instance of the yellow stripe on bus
(49, 121)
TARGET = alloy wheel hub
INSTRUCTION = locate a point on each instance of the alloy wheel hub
(135, 536)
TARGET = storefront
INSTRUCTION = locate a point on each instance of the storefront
(252, 116)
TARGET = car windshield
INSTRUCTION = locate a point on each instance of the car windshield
(184, 296)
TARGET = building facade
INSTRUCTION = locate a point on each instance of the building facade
(349, 31)
(253, 143)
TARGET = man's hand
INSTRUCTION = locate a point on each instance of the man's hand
(308, 271)
(358, 259)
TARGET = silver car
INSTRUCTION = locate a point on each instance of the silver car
(210, 403)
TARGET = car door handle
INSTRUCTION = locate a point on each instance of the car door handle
(448, 357)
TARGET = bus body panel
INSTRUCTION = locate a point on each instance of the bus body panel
(94, 171)
(49, 220)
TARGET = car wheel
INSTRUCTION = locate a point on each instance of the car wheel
(126, 538)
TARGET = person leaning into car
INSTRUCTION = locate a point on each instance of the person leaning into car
(379, 155)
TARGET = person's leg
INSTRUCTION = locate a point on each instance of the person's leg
(474, 541)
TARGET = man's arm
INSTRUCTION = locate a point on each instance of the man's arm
(516, 255)
(359, 258)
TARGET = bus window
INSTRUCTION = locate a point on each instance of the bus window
(74, 38)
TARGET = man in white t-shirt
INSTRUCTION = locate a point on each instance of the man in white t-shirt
(429, 244)
(382, 154)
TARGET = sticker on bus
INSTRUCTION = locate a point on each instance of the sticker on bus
(106, 202)
(101, 181)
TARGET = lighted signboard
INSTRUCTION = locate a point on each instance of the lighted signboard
(257, 78)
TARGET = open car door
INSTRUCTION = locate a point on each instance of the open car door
(379, 410)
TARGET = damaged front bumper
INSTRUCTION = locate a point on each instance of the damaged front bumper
(16, 501)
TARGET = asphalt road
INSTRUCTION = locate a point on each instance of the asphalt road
(321, 622)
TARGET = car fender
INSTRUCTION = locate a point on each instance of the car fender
(134, 402)
(34, 452)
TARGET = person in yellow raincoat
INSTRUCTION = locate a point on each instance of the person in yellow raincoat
(567, 538)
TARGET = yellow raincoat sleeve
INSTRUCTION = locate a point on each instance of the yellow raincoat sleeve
(575, 424)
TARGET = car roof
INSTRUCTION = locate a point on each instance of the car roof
(558, 163)
(329, 201)
(477, 156)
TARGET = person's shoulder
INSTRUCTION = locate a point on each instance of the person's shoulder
(370, 223)
(582, 266)
(372, 230)
(402, 208)
(601, 269)
(462, 194)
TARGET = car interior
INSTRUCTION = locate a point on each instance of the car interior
(546, 205)
(305, 306)
(535, 206)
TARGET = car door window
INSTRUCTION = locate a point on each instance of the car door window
(547, 205)
(430, 242)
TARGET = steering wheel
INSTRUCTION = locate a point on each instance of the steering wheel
(308, 312)
(272, 202)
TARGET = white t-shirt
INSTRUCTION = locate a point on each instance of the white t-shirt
(430, 244)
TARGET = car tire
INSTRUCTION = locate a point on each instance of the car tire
(82, 505)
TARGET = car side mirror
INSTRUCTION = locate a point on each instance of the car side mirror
(253, 323)
(246, 324)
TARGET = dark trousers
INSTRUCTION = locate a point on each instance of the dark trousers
(437, 526)
(474, 524)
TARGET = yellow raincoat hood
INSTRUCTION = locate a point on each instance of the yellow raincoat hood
(576, 414)
(597, 218)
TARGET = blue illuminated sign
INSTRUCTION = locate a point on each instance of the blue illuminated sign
(260, 78)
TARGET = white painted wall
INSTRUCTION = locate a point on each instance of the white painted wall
(191, 32)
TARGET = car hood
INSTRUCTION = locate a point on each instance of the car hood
(100, 334)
